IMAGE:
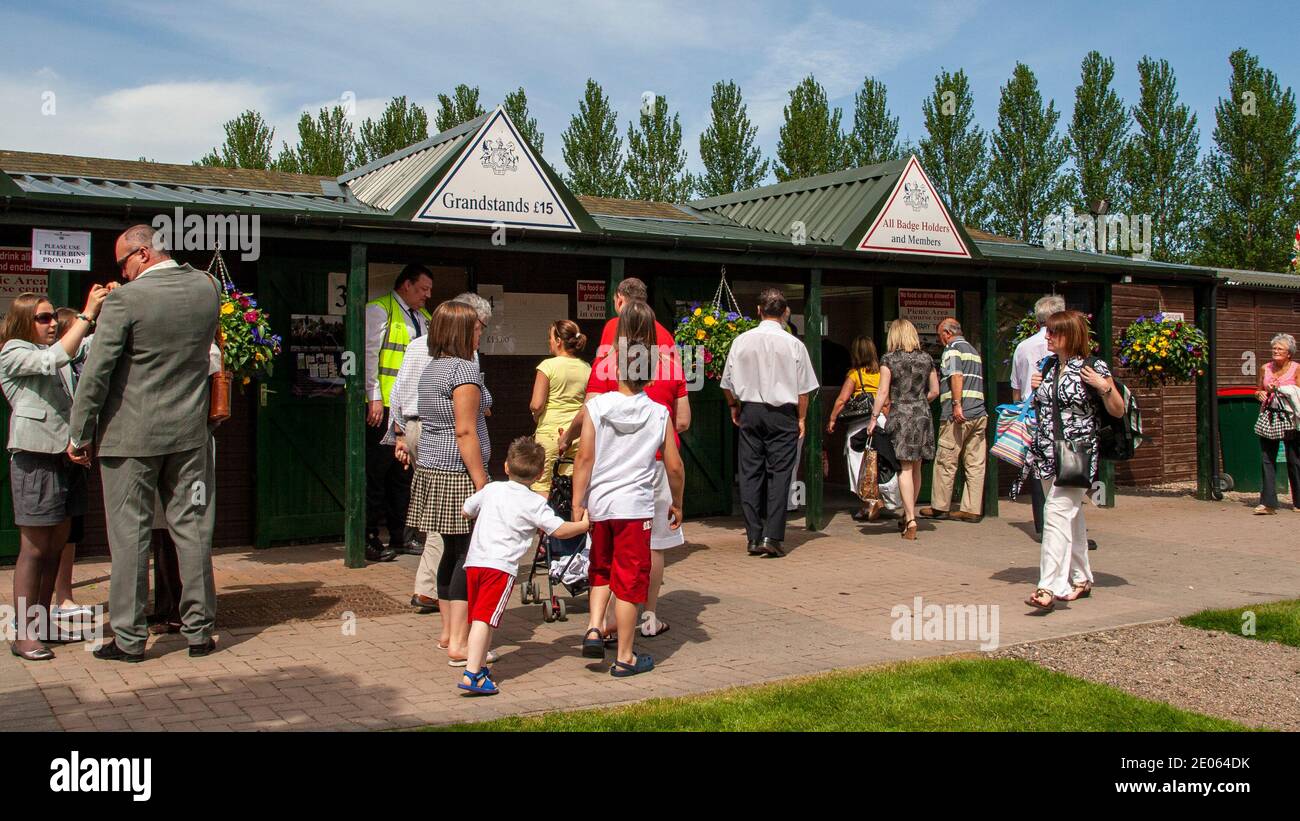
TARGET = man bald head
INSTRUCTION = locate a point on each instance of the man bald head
(137, 251)
(949, 329)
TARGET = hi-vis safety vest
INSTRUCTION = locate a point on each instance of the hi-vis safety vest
(393, 350)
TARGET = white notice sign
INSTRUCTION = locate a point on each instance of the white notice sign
(60, 250)
(926, 308)
(914, 220)
(497, 180)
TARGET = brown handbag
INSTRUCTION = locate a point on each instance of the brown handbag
(219, 383)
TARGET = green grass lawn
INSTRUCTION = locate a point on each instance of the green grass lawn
(960, 694)
(1278, 621)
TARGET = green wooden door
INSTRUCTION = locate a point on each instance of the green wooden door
(709, 447)
(8, 530)
(300, 440)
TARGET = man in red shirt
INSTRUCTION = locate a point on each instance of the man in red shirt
(669, 390)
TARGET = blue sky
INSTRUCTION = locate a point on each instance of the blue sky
(132, 78)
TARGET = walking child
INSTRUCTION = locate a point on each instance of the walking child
(508, 515)
(614, 483)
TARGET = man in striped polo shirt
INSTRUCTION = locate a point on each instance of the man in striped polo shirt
(963, 425)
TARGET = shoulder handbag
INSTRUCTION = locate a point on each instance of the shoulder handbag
(219, 382)
(1073, 459)
(859, 404)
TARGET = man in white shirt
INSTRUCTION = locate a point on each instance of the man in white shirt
(767, 380)
(1025, 362)
(392, 321)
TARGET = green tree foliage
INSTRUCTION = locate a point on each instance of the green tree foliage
(516, 106)
(874, 138)
(1097, 133)
(326, 145)
(461, 107)
(954, 152)
(592, 149)
(732, 162)
(1026, 181)
(656, 161)
(1252, 193)
(810, 141)
(248, 144)
(1161, 175)
(400, 125)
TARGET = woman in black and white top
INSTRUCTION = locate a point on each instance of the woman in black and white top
(452, 458)
(1084, 390)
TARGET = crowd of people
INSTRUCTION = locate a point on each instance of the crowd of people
(126, 380)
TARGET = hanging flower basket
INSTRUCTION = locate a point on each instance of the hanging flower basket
(705, 332)
(1164, 351)
(250, 344)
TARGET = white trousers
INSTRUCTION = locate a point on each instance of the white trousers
(1064, 558)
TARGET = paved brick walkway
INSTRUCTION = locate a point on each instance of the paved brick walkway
(735, 620)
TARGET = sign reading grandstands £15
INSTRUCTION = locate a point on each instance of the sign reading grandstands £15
(497, 180)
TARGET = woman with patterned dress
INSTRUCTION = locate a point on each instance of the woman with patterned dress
(909, 382)
(1082, 389)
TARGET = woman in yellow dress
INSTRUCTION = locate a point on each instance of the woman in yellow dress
(558, 391)
(863, 378)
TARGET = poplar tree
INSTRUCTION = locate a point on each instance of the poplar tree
(954, 152)
(810, 141)
(461, 107)
(516, 106)
(656, 161)
(1251, 202)
(592, 148)
(326, 145)
(1162, 177)
(248, 143)
(732, 162)
(1026, 182)
(1097, 133)
(874, 138)
(402, 124)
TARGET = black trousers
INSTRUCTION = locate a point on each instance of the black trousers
(769, 442)
(388, 487)
(1268, 459)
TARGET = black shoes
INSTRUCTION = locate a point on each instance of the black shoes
(376, 552)
(1092, 544)
(206, 649)
(772, 547)
(111, 652)
(755, 548)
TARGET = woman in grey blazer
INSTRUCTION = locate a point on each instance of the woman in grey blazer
(36, 378)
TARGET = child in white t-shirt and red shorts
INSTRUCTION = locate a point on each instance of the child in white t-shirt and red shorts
(614, 484)
(508, 515)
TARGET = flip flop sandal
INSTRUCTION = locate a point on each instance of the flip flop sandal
(481, 684)
(659, 623)
(593, 648)
(640, 664)
(1033, 601)
(491, 658)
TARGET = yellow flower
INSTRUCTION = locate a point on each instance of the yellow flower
(698, 311)
(227, 309)
(710, 321)
(247, 379)
(700, 334)
(1159, 368)
(731, 326)
(260, 357)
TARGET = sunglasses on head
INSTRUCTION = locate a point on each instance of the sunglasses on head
(44, 318)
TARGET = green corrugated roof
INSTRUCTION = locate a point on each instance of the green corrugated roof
(387, 183)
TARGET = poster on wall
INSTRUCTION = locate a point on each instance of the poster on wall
(316, 345)
(591, 299)
(521, 323)
(925, 309)
(60, 250)
(17, 276)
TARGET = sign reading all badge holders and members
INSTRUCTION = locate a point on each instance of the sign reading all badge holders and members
(591, 299)
(914, 220)
(497, 180)
(60, 250)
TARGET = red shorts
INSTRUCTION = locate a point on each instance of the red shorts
(489, 593)
(620, 557)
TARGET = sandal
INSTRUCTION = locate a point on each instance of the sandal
(491, 658)
(1035, 600)
(640, 664)
(1265, 510)
(909, 532)
(660, 627)
(480, 683)
(593, 648)
(1078, 590)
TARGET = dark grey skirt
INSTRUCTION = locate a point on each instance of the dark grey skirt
(47, 488)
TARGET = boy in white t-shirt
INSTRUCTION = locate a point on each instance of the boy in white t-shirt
(614, 483)
(508, 515)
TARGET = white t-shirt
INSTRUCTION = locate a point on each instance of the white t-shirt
(508, 516)
(1025, 361)
(768, 365)
(629, 431)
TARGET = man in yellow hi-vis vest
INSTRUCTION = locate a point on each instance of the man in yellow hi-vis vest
(392, 321)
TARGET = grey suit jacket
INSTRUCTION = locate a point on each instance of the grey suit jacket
(146, 380)
(37, 381)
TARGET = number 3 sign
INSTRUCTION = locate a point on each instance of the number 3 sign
(337, 295)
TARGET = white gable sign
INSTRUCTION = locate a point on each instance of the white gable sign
(914, 220)
(497, 180)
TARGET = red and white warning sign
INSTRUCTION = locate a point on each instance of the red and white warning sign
(914, 220)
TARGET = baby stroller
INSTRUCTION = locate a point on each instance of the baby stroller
(564, 561)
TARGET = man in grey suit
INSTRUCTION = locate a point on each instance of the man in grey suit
(143, 398)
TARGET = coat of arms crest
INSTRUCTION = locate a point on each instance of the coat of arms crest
(915, 195)
(500, 156)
